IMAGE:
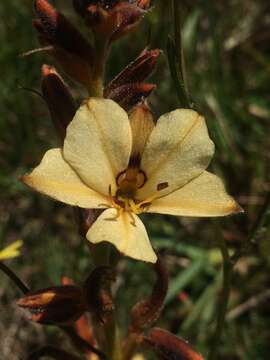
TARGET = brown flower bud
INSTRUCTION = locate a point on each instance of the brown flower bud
(136, 72)
(110, 19)
(54, 305)
(144, 4)
(81, 5)
(58, 98)
(68, 46)
(147, 311)
(126, 19)
(97, 293)
(131, 94)
(169, 347)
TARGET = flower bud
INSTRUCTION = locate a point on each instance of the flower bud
(68, 46)
(131, 94)
(169, 347)
(58, 98)
(136, 72)
(54, 305)
(126, 19)
(81, 5)
(110, 19)
(144, 4)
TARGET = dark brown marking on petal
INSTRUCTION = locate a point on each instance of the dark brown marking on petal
(162, 186)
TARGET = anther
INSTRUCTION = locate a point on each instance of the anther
(133, 223)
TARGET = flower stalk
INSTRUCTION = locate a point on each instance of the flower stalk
(176, 59)
(223, 297)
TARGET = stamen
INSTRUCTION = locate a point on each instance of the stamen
(133, 206)
(130, 214)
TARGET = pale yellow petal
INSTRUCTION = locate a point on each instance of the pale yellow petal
(203, 196)
(179, 149)
(98, 143)
(55, 178)
(127, 234)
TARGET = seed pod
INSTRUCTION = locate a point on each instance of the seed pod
(58, 98)
(110, 19)
(144, 4)
(129, 95)
(147, 311)
(54, 305)
(136, 72)
(169, 347)
(68, 46)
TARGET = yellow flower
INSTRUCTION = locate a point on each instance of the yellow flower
(138, 357)
(11, 251)
(130, 166)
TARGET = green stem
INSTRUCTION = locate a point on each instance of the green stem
(107, 334)
(130, 345)
(224, 298)
(260, 219)
(14, 278)
(101, 52)
(176, 58)
(113, 340)
(257, 226)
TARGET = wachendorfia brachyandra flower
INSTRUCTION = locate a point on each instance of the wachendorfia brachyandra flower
(130, 165)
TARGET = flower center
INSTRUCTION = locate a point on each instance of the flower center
(129, 181)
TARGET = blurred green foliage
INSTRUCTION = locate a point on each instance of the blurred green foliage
(227, 49)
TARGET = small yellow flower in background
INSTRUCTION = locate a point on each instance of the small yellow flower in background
(11, 251)
(130, 166)
(138, 357)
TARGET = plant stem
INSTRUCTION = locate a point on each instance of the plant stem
(176, 58)
(81, 344)
(101, 52)
(107, 334)
(224, 298)
(17, 281)
(228, 265)
(260, 219)
(257, 226)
